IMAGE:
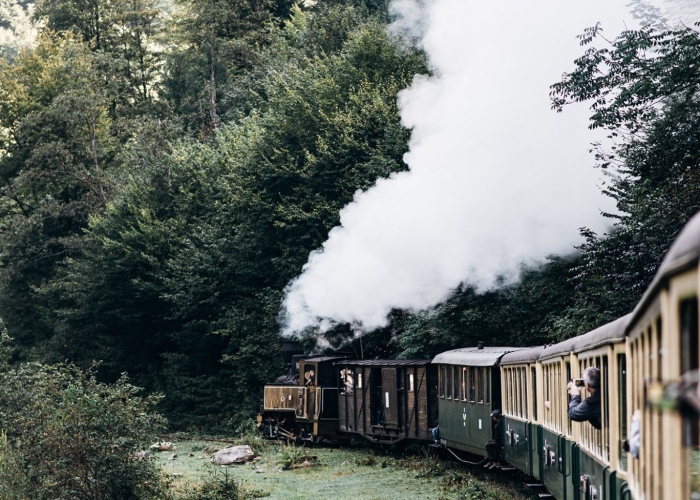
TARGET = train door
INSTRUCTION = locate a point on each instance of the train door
(389, 399)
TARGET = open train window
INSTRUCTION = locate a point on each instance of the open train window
(359, 381)
(487, 385)
(411, 382)
(690, 360)
(347, 381)
(533, 372)
(622, 405)
(457, 385)
(441, 381)
(523, 372)
(480, 385)
(472, 384)
(448, 386)
(309, 374)
(464, 383)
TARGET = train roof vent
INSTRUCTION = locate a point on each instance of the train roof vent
(480, 345)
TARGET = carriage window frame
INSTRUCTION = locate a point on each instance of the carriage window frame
(441, 381)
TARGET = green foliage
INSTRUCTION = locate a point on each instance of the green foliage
(645, 89)
(65, 435)
(291, 454)
(218, 486)
(181, 277)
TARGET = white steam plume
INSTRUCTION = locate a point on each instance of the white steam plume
(496, 177)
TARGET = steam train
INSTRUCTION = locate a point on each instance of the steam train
(649, 363)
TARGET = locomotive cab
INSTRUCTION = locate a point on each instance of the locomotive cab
(303, 404)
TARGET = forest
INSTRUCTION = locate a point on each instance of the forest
(165, 170)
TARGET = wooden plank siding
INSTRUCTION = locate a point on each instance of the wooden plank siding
(411, 409)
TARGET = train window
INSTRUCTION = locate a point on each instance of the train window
(518, 393)
(622, 405)
(690, 360)
(507, 394)
(480, 385)
(472, 384)
(605, 387)
(533, 372)
(410, 383)
(464, 383)
(457, 385)
(568, 399)
(448, 384)
(487, 385)
(359, 381)
(309, 374)
(441, 381)
(523, 372)
(347, 381)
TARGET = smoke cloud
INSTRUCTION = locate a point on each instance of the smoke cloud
(496, 179)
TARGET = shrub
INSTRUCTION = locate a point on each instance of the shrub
(67, 436)
(215, 487)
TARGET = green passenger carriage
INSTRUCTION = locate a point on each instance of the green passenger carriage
(469, 389)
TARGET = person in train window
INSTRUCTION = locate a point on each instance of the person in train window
(310, 378)
(494, 446)
(634, 443)
(588, 409)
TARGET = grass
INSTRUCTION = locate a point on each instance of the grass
(336, 473)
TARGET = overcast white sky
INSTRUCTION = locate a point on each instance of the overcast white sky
(496, 177)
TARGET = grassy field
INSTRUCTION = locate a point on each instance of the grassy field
(338, 473)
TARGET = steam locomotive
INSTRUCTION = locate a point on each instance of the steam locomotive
(649, 362)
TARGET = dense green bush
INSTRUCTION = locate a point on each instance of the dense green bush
(216, 487)
(66, 436)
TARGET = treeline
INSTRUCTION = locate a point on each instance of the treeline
(166, 169)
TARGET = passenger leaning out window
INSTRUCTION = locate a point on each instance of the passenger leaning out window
(588, 409)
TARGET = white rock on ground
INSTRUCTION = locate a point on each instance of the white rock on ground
(233, 455)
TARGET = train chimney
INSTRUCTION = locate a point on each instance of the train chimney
(289, 349)
(480, 345)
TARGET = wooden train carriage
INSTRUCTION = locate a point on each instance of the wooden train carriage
(469, 389)
(387, 401)
(577, 460)
(663, 350)
(522, 409)
(307, 410)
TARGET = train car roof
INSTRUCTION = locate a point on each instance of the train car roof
(474, 356)
(384, 362)
(609, 333)
(528, 355)
(323, 359)
(683, 254)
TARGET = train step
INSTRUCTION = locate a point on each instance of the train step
(534, 485)
(545, 495)
(507, 468)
